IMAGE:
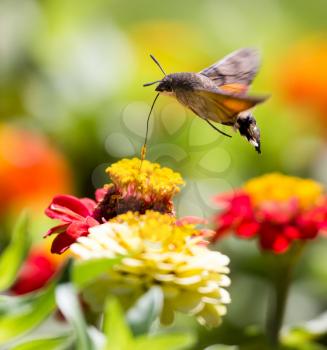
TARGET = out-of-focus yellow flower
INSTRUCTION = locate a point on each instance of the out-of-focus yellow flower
(277, 187)
(158, 252)
(185, 52)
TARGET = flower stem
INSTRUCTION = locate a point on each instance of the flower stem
(277, 307)
(281, 285)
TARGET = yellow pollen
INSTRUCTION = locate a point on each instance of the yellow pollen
(158, 228)
(277, 187)
(150, 179)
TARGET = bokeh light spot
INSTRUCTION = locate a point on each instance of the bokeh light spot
(118, 145)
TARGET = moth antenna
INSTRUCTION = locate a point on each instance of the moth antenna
(214, 127)
(143, 150)
(154, 82)
(158, 64)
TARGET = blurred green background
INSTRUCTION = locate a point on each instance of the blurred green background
(72, 102)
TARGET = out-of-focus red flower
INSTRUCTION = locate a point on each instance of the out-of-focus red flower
(135, 187)
(303, 75)
(275, 208)
(76, 216)
(36, 271)
(31, 170)
(239, 215)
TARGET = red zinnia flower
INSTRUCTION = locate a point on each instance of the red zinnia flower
(36, 271)
(135, 188)
(275, 208)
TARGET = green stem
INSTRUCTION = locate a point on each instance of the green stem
(281, 285)
(278, 306)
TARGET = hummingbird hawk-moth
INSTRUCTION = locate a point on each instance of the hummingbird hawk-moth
(218, 93)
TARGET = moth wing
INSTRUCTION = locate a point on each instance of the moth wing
(235, 88)
(223, 107)
(239, 67)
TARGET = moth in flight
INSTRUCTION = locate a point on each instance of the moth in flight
(218, 93)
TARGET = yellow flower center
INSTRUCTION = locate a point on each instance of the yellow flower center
(276, 187)
(148, 179)
(159, 229)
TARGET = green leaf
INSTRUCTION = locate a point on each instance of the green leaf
(18, 315)
(85, 272)
(68, 304)
(14, 255)
(119, 336)
(145, 311)
(51, 343)
(302, 336)
(176, 341)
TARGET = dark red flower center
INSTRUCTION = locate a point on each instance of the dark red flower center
(113, 204)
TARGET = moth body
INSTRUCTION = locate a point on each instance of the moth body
(219, 93)
(183, 86)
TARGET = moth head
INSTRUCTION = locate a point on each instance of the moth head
(165, 85)
(247, 126)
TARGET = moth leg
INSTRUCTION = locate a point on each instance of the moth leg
(214, 127)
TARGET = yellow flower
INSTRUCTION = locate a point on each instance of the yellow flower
(148, 180)
(276, 187)
(138, 188)
(158, 252)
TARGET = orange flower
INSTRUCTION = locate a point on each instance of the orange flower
(31, 170)
(303, 75)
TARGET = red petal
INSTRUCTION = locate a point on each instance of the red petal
(292, 232)
(247, 229)
(239, 210)
(272, 238)
(61, 243)
(309, 230)
(67, 208)
(57, 229)
(77, 229)
(89, 203)
(35, 273)
(279, 213)
(73, 231)
(100, 193)
(310, 223)
(91, 221)
(280, 244)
